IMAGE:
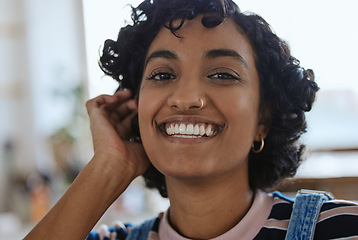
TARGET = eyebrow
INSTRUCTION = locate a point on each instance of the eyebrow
(223, 52)
(161, 54)
(211, 54)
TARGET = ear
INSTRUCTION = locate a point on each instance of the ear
(265, 119)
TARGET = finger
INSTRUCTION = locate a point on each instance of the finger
(124, 127)
(122, 95)
(121, 104)
(124, 132)
(125, 108)
(108, 101)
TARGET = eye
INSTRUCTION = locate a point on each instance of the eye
(161, 76)
(224, 76)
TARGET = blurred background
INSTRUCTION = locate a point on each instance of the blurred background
(48, 69)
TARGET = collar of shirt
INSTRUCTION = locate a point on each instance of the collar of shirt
(247, 228)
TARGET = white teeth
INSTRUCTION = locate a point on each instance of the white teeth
(196, 129)
(208, 131)
(182, 128)
(170, 130)
(202, 130)
(190, 130)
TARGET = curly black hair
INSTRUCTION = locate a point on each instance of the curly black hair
(285, 87)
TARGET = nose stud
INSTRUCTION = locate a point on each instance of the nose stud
(202, 103)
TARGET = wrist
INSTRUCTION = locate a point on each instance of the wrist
(112, 168)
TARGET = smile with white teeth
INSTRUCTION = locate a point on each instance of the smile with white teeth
(190, 130)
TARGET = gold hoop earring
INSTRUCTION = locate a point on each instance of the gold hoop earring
(202, 103)
(261, 146)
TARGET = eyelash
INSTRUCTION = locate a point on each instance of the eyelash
(224, 76)
(169, 76)
(153, 76)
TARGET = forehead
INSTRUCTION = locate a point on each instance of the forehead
(195, 38)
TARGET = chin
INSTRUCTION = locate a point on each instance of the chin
(187, 171)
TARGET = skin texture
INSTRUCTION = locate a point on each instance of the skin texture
(207, 178)
(203, 175)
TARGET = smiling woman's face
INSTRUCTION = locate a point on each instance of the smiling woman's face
(199, 101)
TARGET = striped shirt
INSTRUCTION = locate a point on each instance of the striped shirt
(338, 219)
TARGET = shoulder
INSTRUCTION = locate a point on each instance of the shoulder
(337, 219)
(117, 231)
(120, 231)
(146, 230)
(277, 223)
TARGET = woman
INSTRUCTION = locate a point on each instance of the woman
(220, 103)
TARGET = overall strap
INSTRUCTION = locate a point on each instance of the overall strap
(141, 232)
(305, 213)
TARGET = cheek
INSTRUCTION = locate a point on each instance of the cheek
(145, 114)
(149, 104)
(239, 101)
(145, 123)
(242, 111)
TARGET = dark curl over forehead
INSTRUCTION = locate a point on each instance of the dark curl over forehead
(287, 90)
(124, 59)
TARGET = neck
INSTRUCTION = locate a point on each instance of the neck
(208, 208)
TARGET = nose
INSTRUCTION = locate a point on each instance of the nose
(187, 95)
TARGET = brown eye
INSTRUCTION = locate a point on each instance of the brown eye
(161, 76)
(223, 75)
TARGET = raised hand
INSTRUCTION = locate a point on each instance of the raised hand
(116, 162)
(110, 117)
